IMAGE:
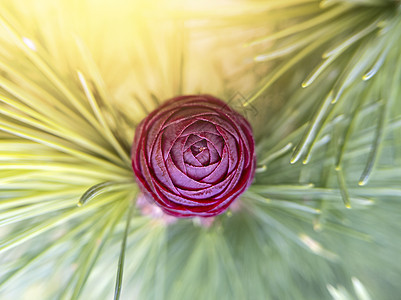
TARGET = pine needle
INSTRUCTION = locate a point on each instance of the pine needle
(117, 290)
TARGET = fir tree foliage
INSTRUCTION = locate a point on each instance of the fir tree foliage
(320, 83)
